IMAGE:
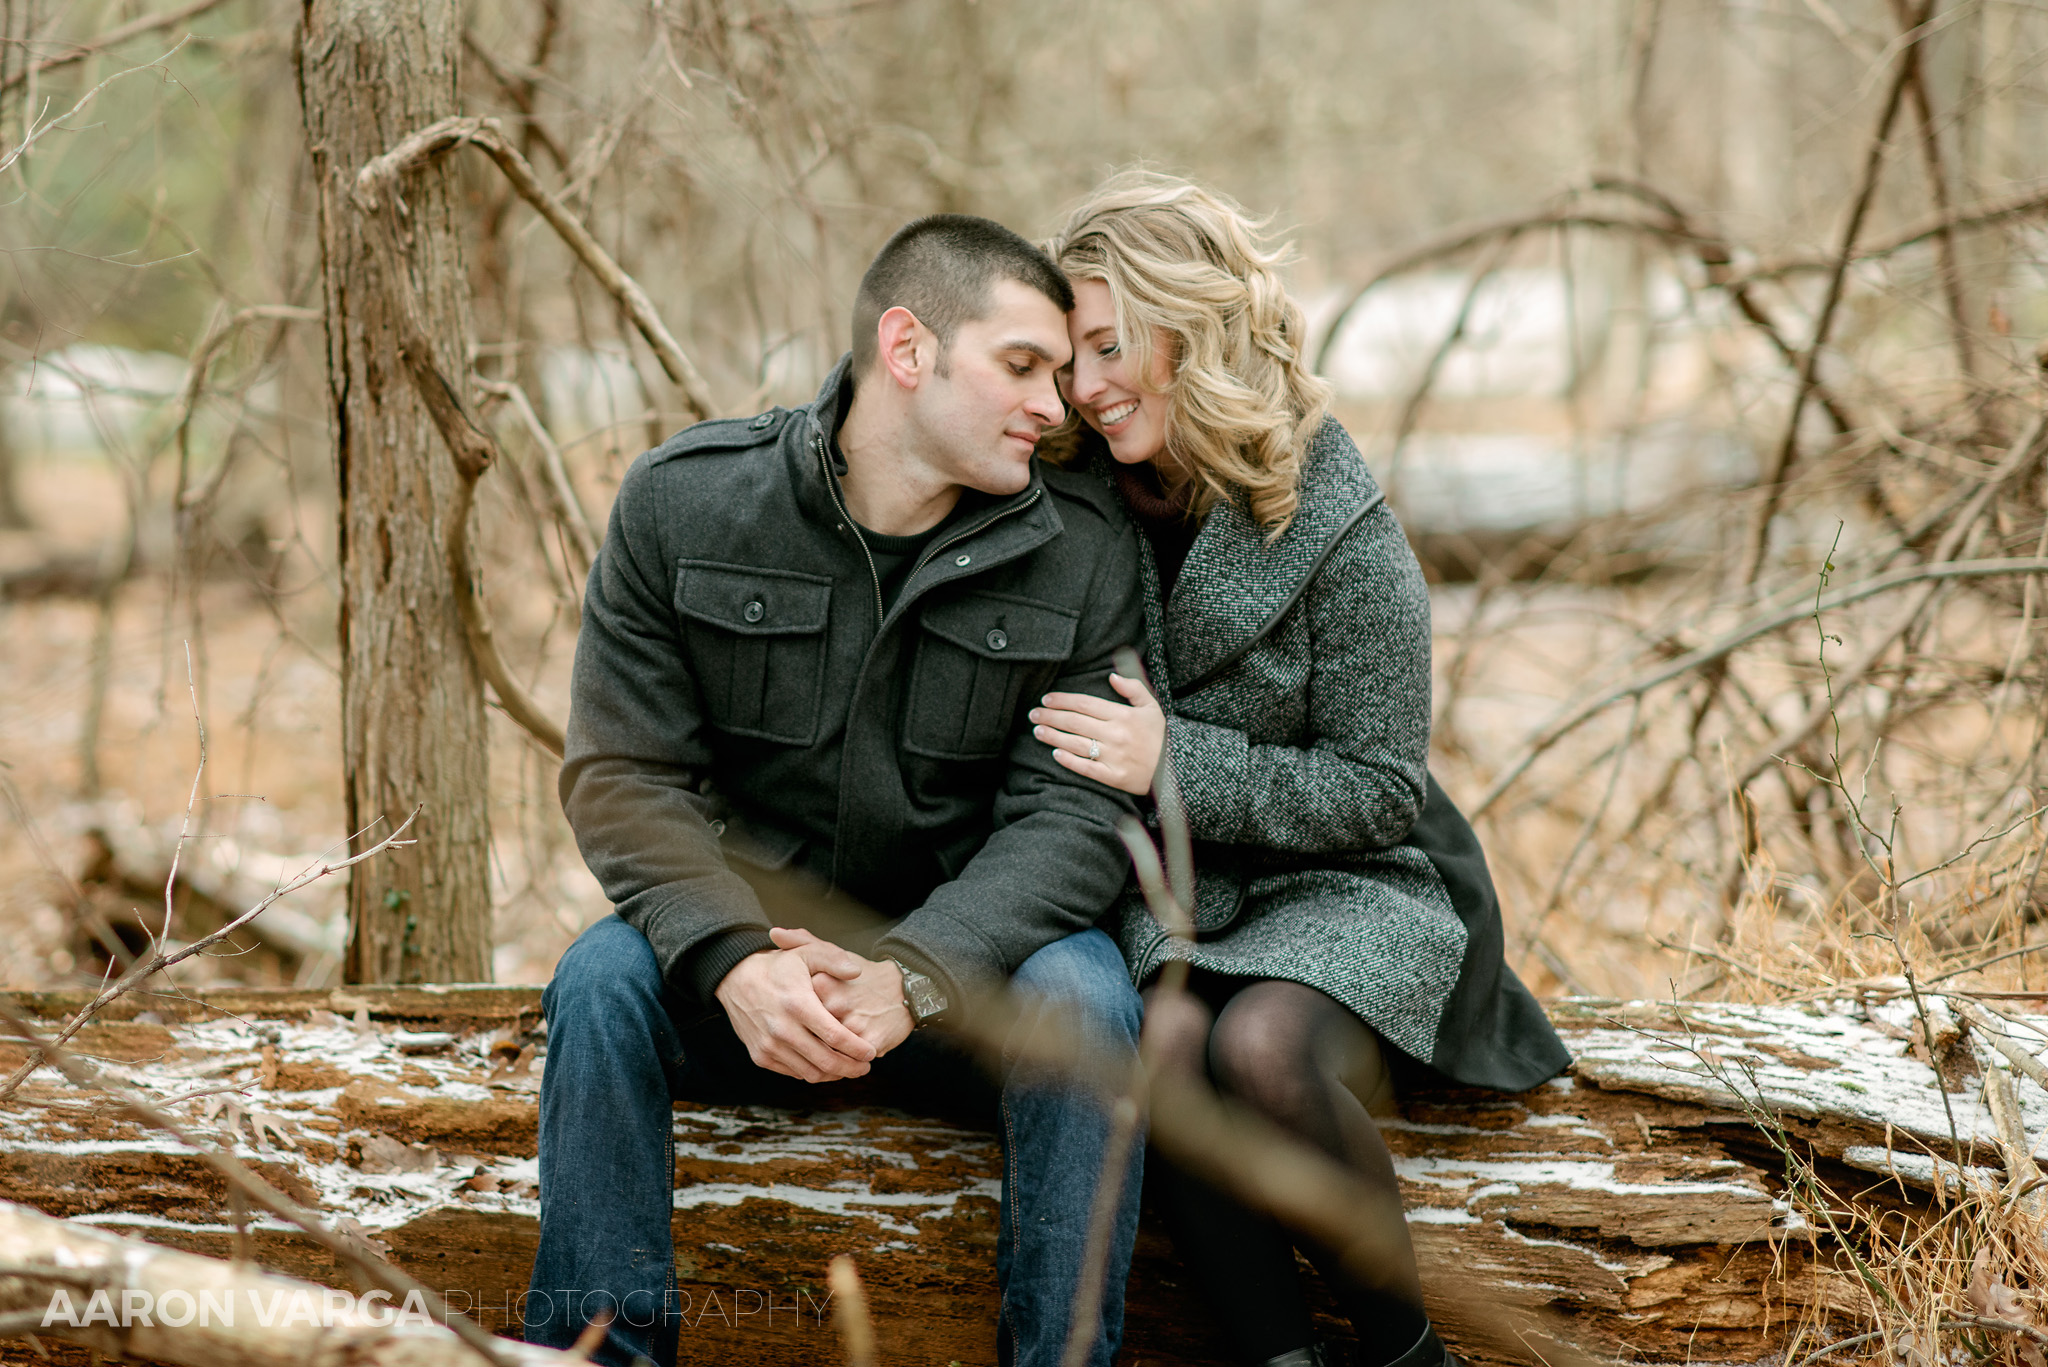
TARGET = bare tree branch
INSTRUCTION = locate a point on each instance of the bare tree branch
(1461, 240)
(1670, 225)
(377, 182)
(113, 37)
(519, 88)
(1763, 625)
(2030, 204)
(469, 442)
(583, 533)
(2018, 460)
(1774, 477)
(1936, 168)
(37, 130)
(217, 336)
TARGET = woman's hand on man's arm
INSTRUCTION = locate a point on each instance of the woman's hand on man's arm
(1112, 743)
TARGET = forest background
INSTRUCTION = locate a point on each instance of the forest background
(1739, 668)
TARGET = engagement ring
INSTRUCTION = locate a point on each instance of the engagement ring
(1095, 749)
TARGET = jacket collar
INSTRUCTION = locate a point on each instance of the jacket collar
(1000, 529)
(1235, 585)
(807, 445)
(825, 412)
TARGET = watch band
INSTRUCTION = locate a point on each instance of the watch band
(922, 996)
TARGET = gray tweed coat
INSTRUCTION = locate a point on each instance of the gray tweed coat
(1296, 679)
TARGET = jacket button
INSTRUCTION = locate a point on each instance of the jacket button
(754, 611)
(997, 640)
(763, 421)
(964, 561)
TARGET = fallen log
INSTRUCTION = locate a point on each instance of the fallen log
(1638, 1205)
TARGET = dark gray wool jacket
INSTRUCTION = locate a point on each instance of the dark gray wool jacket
(744, 712)
(1296, 678)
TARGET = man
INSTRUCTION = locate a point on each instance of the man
(807, 647)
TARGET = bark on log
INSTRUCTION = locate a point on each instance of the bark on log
(413, 724)
(1636, 1204)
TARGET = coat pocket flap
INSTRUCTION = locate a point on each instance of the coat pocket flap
(752, 601)
(996, 626)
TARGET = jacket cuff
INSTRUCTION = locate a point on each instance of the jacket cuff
(1213, 767)
(708, 961)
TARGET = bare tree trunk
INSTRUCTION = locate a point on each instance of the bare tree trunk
(413, 725)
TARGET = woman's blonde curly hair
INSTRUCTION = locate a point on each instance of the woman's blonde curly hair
(1241, 401)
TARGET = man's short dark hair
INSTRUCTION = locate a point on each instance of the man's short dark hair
(944, 268)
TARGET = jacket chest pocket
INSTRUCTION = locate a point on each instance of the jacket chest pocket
(975, 653)
(756, 641)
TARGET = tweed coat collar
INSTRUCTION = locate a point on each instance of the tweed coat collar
(1235, 584)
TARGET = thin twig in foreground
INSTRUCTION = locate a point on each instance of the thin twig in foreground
(160, 960)
(850, 1312)
(592, 1336)
(1109, 1187)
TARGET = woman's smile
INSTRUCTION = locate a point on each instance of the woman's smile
(1103, 385)
(1106, 418)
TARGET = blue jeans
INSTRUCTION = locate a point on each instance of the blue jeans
(620, 1049)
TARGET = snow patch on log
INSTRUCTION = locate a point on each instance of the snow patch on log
(843, 1199)
(1848, 1066)
(1921, 1170)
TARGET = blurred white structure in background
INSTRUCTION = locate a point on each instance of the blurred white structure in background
(592, 396)
(86, 398)
(1563, 400)
(1566, 396)
(1516, 343)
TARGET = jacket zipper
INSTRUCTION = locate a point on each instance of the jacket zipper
(874, 575)
(960, 536)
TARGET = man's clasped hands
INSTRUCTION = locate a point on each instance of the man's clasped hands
(813, 1010)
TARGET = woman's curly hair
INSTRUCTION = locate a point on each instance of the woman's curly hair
(1189, 262)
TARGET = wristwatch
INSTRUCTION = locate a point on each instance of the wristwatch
(922, 997)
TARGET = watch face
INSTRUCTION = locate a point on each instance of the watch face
(926, 999)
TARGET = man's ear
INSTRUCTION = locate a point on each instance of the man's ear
(906, 348)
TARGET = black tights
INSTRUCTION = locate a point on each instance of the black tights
(1303, 1061)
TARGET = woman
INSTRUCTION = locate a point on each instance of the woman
(1342, 903)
